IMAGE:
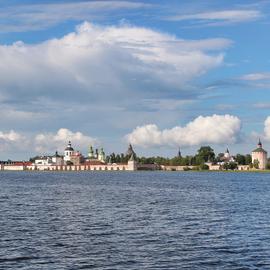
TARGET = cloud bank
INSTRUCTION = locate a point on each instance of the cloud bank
(215, 129)
(103, 69)
(48, 142)
(101, 72)
(45, 142)
(12, 140)
(105, 60)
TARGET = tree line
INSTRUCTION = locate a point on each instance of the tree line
(203, 155)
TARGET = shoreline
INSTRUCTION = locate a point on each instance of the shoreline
(136, 171)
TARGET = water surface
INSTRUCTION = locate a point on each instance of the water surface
(136, 220)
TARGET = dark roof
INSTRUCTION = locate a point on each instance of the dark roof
(130, 150)
(132, 158)
(69, 147)
(56, 154)
(259, 150)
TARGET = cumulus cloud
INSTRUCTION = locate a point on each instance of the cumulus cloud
(10, 136)
(221, 16)
(48, 142)
(27, 144)
(215, 129)
(12, 140)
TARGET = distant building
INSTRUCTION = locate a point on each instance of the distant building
(132, 164)
(69, 151)
(227, 154)
(98, 155)
(76, 158)
(91, 154)
(101, 155)
(226, 157)
(43, 160)
(57, 159)
(130, 151)
(72, 161)
(259, 156)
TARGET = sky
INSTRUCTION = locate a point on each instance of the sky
(158, 74)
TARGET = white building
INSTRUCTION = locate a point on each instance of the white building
(132, 164)
(69, 151)
(45, 160)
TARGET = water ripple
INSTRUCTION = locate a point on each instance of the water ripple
(144, 220)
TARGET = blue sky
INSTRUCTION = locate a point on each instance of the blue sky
(160, 74)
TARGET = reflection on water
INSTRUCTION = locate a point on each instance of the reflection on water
(144, 220)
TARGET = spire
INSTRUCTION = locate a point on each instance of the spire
(227, 151)
(130, 150)
(179, 153)
(259, 143)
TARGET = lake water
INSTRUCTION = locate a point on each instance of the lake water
(137, 220)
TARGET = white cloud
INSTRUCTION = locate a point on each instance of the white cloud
(221, 17)
(12, 141)
(10, 136)
(215, 129)
(43, 143)
(97, 61)
(256, 76)
(48, 142)
(102, 72)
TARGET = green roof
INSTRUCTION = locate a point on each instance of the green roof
(259, 150)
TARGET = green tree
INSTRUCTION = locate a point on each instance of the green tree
(248, 159)
(204, 167)
(256, 164)
(230, 166)
(240, 159)
(205, 153)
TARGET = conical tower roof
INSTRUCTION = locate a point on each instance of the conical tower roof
(259, 149)
(130, 150)
(132, 158)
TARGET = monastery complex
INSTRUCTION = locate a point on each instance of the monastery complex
(96, 160)
(73, 160)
